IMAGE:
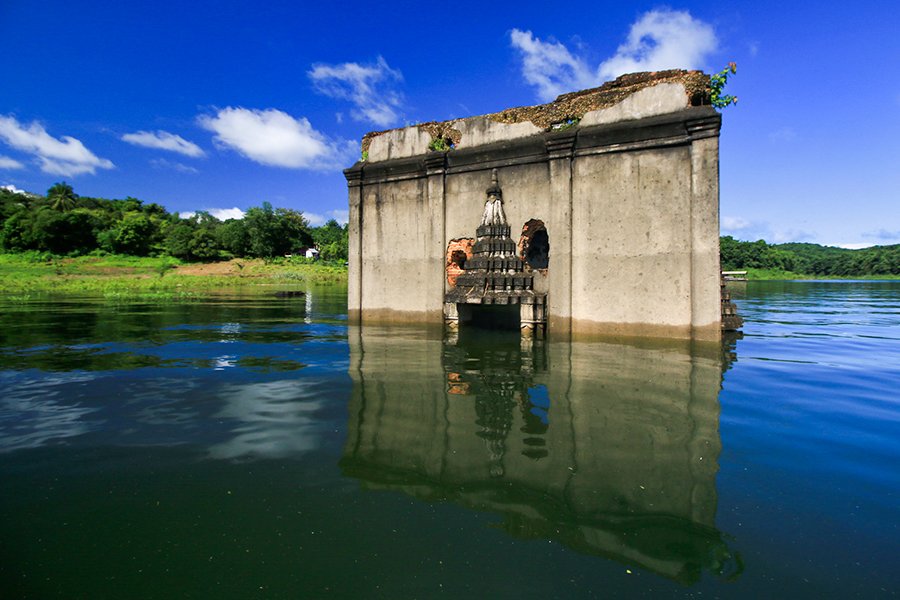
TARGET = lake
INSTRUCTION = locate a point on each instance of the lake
(254, 446)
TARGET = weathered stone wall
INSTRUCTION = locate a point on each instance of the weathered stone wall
(632, 240)
(628, 194)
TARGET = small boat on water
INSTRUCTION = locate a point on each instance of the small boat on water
(734, 275)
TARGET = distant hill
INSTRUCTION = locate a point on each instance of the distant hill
(810, 259)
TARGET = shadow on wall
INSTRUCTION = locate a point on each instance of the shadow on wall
(611, 450)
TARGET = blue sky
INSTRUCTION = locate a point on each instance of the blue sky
(223, 105)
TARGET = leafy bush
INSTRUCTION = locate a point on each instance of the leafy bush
(717, 86)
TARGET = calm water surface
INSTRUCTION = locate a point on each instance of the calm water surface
(257, 446)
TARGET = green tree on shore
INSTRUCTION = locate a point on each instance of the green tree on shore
(275, 232)
(331, 239)
(67, 224)
(62, 196)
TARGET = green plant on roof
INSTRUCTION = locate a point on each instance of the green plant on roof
(717, 86)
(365, 155)
(440, 144)
(569, 123)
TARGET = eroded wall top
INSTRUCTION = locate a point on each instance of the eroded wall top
(632, 96)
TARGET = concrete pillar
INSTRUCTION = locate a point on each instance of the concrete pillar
(436, 241)
(451, 316)
(559, 230)
(706, 311)
(354, 177)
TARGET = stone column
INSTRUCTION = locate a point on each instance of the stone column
(435, 236)
(559, 229)
(706, 310)
(354, 177)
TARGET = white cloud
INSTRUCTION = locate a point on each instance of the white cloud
(371, 88)
(161, 163)
(10, 164)
(883, 236)
(662, 39)
(659, 39)
(744, 229)
(163, 140)
(314, 219)
(14, 190)
(65, 156)
(274, 138)
(550, 66)
(731, 225)
(783, 236)
(341, 216)
(317, 220)
(223, 214)
(853, 246)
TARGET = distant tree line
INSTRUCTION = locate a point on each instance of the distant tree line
(810, 259)
(65, 223)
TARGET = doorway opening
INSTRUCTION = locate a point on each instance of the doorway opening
(497, 317)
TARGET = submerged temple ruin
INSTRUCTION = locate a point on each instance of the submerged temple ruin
(494, 283)
(595, 213)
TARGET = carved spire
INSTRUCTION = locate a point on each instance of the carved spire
(494, 189)
(494, 273)
(493, 207)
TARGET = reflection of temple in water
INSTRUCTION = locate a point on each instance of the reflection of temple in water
(609, 449)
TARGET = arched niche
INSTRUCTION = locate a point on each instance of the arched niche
(534, 245)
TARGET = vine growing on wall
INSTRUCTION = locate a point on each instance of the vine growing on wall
(717, 87)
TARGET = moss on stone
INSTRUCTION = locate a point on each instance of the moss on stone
(573, 106)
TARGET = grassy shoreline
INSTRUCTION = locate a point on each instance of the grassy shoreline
(779, 275)
(162, 278)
